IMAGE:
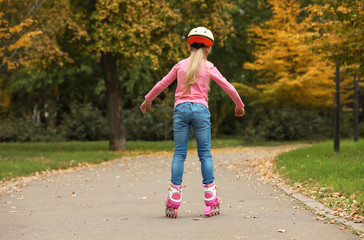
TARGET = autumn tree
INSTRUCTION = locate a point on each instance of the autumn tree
(338, 31)
(121, 35)
(14, 35)
(31, 47)
(124, 32)
(289, 74)
(29, 36)
(229, 59)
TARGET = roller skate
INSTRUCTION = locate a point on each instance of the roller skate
(212, 201)
(173, 201)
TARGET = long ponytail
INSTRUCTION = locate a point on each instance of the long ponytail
(193, 68)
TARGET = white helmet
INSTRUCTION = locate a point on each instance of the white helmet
(201, 35)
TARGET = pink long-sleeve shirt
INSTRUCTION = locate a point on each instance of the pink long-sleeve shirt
(199, 90)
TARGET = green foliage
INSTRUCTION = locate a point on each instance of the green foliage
(138, 81)
(226, 57)
(57, 87)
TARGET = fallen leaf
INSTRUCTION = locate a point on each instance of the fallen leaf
(319, 218)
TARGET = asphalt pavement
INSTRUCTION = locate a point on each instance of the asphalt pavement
(124, 199)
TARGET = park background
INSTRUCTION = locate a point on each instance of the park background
(79, 70)
(74, 73)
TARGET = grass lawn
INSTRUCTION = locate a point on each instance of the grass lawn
(327, 175)
(23, 159)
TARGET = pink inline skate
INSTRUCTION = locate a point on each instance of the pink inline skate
(212, 201)
(173, 201)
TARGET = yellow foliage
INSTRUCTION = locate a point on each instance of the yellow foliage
(247, 91)
(339, 31)
(150, 28)
(4, 99)
(28, 41)
(290, 74)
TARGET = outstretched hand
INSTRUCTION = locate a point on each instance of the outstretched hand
(239, 111)
(145, 106)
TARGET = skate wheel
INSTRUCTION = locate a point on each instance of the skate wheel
(172, 213)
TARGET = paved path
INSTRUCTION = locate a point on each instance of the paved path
(125, 200)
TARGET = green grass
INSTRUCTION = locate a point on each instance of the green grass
(23, 159)
(326, 173)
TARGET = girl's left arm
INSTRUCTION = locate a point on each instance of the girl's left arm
(228, 88)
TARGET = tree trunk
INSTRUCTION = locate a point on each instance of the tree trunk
(114, 103)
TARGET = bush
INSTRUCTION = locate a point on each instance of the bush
(347, 125)
(260, 124)
(285, 124)
(84, 124)
(294, 124)
(361, 129)
(154, 125)
(23, 130)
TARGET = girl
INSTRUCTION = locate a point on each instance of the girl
(191, 109)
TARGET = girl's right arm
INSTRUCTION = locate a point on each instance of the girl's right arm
(163, 84)
(158, 88)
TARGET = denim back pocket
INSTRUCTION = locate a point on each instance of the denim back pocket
(201, 116)
(180, 116)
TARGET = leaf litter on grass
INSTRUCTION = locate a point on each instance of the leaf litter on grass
(342, 205)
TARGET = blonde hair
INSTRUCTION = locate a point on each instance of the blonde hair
(193, 68)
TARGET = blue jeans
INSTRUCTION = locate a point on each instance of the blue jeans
(198, 116)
